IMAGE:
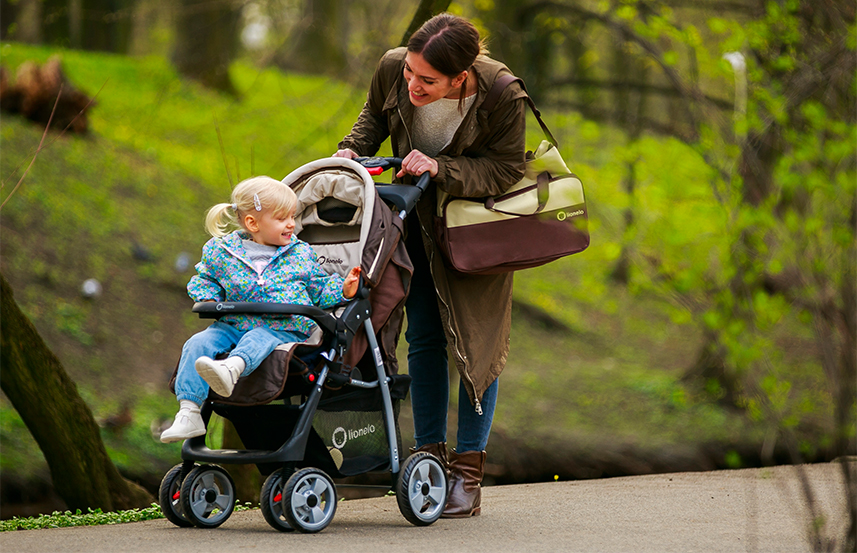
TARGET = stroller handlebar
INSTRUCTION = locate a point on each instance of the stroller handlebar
(403, 196)
(217, 309)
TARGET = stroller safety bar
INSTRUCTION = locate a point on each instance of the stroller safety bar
(215, 310)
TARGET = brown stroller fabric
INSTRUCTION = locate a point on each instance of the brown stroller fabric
(341, 216)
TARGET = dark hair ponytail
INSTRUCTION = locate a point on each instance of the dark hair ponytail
(448, 43)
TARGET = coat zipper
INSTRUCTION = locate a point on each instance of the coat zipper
(259, 281)
(462, 358)
(457, 352)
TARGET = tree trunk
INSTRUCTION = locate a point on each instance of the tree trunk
(631, 110)
(148, 19)
(425, 11)
(62, 424)
(206, 35)
(318, 42)
(105, 25)
(21, 21)
(247, 478)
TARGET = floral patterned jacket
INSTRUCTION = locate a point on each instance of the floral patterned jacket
(293, 276)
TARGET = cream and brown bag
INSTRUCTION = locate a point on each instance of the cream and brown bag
(538, 220)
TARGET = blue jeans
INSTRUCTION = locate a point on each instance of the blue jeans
(253, 346)
(429, 368)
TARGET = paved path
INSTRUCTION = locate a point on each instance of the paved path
(744, 510)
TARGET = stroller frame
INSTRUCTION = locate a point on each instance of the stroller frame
(345, 327)
(305, 500)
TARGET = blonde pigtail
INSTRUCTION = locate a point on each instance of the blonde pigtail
(219, 219)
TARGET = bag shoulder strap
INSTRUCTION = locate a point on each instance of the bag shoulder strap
(497, 89)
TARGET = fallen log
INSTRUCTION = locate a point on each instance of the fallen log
(35, 91)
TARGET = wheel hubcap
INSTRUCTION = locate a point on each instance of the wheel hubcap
(426, 498)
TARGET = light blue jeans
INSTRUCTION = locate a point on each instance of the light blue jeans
(253, 346)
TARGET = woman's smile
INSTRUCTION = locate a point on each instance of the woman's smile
(426, 84)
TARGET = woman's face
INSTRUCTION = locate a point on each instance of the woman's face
(426, 84)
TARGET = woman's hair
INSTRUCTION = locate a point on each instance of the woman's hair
(251, 195)
(450, 44)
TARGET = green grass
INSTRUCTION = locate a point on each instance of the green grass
(152, 164)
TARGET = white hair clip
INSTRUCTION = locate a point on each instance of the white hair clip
(234, 207)
(256, 202)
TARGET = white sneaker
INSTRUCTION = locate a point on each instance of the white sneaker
(220, 375)
(188, 424)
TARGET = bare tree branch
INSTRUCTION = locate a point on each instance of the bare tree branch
(686, 93)
(720, 103)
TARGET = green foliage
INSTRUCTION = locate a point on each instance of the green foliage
(92, 517)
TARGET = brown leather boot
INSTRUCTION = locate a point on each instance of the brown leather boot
(439, 450)
(465, 475)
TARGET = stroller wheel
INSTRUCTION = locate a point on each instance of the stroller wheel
(271, 502)
(309, 500)
(207, 496)
(169, 497)
(421, 489)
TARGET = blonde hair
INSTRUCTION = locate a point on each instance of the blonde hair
(263, 192)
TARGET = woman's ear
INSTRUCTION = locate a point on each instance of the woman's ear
(458, 80)
(251, 224)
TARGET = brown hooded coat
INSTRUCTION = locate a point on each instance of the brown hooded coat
(485, 158)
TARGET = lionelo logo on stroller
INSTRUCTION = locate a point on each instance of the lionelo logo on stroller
(341, 436)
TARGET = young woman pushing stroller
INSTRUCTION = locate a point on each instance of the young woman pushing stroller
(426, 98)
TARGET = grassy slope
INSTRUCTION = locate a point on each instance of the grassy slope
(153, 163)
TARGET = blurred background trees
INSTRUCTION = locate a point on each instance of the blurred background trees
(761, 92)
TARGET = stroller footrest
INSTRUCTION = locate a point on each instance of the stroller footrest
(200, 452)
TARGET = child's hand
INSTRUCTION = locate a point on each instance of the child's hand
(349, 287)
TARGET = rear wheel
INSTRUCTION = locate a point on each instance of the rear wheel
(271, 502)
(169, 497)
(309, 500)
(207, 496)
(421, 489)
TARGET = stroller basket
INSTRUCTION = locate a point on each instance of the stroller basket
(348, 435)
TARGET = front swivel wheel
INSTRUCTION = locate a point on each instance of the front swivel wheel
(309, 500)
(207, 496)
(421, 489)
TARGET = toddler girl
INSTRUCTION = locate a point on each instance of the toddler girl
(261, 261)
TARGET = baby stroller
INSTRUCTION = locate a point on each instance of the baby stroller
(326, 408)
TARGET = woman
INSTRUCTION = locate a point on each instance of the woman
(427, 98)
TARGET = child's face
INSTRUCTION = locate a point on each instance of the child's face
(274, 229)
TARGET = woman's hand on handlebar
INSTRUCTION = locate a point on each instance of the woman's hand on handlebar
(346, 153)
(416, 163)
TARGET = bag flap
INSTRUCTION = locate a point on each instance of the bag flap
(565, 192)
(547, 158)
